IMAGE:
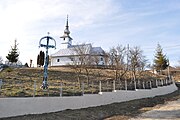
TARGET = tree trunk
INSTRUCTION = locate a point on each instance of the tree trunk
(87, 75)
(78, 72)
(116, 74)
(79, 82)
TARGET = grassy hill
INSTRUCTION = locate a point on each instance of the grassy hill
(21, 81)
(28, 81)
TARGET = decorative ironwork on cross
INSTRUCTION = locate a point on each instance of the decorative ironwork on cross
(47, 46)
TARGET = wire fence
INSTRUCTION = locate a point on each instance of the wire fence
(32, 88)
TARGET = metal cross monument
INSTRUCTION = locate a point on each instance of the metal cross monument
(47, 46)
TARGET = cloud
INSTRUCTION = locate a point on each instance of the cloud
(28, 20)
(113, 22)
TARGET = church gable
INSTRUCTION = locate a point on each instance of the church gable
(97, 51)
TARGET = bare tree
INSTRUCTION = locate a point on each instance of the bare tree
(137, 61)
(82, 61)
(122, 66)
(106, 59)
(112, 55)
(87, 67)
(117, 56)
(95, 59)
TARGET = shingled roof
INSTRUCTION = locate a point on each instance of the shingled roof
(71, 51)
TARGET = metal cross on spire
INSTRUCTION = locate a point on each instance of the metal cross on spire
(47, 46)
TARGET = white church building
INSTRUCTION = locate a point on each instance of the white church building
(69, 54)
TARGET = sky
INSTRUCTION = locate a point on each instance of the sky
(104, 23)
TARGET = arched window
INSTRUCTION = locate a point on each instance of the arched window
(58, 60)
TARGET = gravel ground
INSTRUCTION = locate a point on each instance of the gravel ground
(169, 111)
(115, 111)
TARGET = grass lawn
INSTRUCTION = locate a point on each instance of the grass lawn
(26, 82)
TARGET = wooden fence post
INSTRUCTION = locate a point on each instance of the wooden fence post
(156, 83)
(125, 84)
(134, 84)
(150, 84)
(114, 86)
(100, 88)
(61, 90)
(143, 85)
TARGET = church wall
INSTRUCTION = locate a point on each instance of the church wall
(100, 60)
(68, 60)
(60, 61)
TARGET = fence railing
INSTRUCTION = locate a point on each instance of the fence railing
(32, 88)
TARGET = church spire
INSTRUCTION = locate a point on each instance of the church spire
(67, 27)
(67, 40)
(66, 31)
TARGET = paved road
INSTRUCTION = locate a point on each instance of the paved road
(169, 111)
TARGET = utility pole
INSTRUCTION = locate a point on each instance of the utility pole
(47, 46)
(168, 69)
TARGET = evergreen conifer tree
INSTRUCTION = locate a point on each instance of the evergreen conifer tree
(42, 55)
(13, 53)
(40, 59)
(160, 60)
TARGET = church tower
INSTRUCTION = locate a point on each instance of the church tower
(67, 40)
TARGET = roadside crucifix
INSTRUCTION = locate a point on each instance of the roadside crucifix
(47, 46)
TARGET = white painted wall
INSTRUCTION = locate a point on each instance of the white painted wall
(66, 43)
(21, 106)
(62, 61)
(66, 60)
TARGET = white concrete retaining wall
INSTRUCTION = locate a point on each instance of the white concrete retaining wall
(21, 106)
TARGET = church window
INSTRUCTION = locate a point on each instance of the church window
(72, 59)
(101, 59)
(58, 60)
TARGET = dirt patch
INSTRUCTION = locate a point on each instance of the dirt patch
(115, 111)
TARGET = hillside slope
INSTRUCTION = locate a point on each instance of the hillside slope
(28, 81)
